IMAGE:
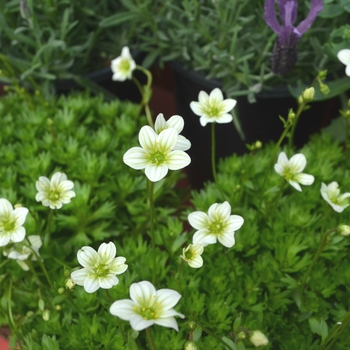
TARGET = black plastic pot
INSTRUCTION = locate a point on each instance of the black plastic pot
(259, 121)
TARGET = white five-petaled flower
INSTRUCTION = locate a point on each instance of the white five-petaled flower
(292, 169)
(147, 307)
(11, 221)
(218, 224)
(56, 192)
(331, 194)
(344, 57)
(213, 108)
(176, 122)
(123, 66)
(22, 251)
(192, 255)
(99, 268)
(156, 154)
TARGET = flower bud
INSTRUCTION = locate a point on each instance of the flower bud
(70, 284)
(344, 230)
(291, 116)
(60, 290)
(192, 325)
(242, 335)
(30, 314)
(58, 307)
(258, 338)
(190, 345)
(258, 144)
(18, 205)
(325, 90)
(322, 74)
(46, 315)
(308, 94)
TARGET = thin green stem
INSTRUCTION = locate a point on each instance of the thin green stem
(322, 245)
(9, 309)
(213, 162)
(42, 266)
(206, 330)
(231, 265)
(150, 338)
(333, 336)
(152, 227)
(48, 227)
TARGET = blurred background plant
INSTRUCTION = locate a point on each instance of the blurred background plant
(229, 41)
(44, 42)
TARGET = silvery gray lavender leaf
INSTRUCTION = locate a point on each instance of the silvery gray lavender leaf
(284, 55)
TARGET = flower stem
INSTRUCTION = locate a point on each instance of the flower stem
(150, 338)
(213, 163)
(322, 245)
(48, 228)
(339, 328)
(146, 93)
(206, 330)
(152, 219)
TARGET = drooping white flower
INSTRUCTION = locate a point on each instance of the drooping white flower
(56, 192)
(213, 108)
(176, 122)
(22, 251)
(218, 224)
(147, 307)
(99, 268)
(123, 66)
(344, 57)
(258, 338)
(156, 154)
(11, 221)
(192, 255)
(292, 169)
(331, 194)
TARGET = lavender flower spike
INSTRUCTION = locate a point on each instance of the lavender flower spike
(284, 53)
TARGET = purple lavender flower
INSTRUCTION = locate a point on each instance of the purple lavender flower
(284, 53)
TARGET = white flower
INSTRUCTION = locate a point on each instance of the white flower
(157, 154)
(292, 169)
(99, 268)
(11, 221)
(56, 192)
(217, 224)
(344, 57)
(331, 194)
(123, 66)
(22, 251)
(147, 307)
(258, 339)
(176, 122)
(192, 255)
(213, 108)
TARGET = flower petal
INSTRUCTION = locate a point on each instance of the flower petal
(156, 172)
(123, 309)
(295, 185)
(176, 122)
(216, 96)
(5, 206)
(223, 119)
(305, 179)
(143, 293)
(168, 322)
(219, 211)
(178, 160)
(199, 220)
(147, 137)
(107, 252)
(91, 284)
(228, 105)
(297, 162)
(18, 235)
(234, 223)
(196, 262)
(197, 108)
(227, 239)
(160, 123)
(182, 144)
(138, 323)
(204, 237)
(270, 16)
(167, 139)
(108, 282)
(136, 158)
(168, 298)
(87, 256)
(80, 275)
(316, 7)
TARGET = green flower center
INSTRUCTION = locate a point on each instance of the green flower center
(124, 65)
(189, 254)
(148, 313)
(8, 223)
(54, 195)
(216, 227)
(214, 109)
(101, 270)
(158, 157)
(289, 173)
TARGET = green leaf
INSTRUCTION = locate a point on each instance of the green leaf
(319, 327)
(117, 19)
(230, 343)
